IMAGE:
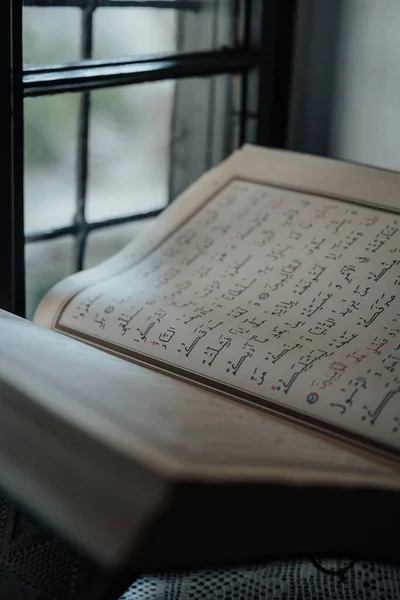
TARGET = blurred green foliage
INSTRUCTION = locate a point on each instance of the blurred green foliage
(51, 121)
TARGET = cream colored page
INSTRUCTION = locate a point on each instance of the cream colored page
(283, 169)
(154, 417)
(276, 294)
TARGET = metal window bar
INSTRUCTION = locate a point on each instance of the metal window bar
(97, 74)
(89, 74)
(83, 143)
(80, 225)
(191, 5)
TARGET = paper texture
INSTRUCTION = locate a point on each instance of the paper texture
(287, 297)
(166, 424)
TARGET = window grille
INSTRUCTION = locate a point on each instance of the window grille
(259, 58)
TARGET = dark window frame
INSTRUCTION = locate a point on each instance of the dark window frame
(12, 265)
(266, 32)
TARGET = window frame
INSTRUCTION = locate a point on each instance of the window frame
(12, 262)
(266, 32)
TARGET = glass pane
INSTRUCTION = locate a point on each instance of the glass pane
(51, 35)
(130, 149)
(133, 31)
(50, 148)
(203, 133)
(214, 24)
(46, 263)
(103, 243)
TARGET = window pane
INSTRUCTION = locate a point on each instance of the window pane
(130, 149)
(133, 31)
(202, 128)
(46, 263)
(50, 151)
(106, 242)
(212, 25)
(51, 35)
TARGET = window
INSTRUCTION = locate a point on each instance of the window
(125, 103)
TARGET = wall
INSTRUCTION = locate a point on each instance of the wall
(365, 118)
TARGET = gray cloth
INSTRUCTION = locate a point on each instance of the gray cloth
(35, 566)
(14, 588)
(291, 580)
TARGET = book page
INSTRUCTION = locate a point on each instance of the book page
(355, 183)
(167, 424)
(280, 298)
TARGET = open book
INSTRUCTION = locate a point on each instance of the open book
(227, 386)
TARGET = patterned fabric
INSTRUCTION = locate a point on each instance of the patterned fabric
(292, 580)
(33, 560)
(35, 566)
(12, 587)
